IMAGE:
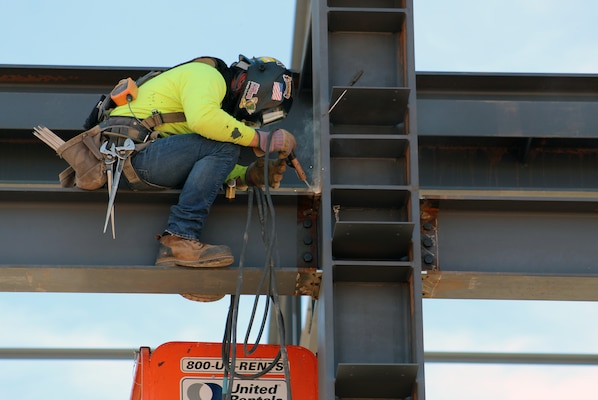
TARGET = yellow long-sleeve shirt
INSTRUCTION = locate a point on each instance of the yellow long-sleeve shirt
(197, 89)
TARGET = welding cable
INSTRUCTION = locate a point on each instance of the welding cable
(275, 298)
(234, 305)
(265, 284)
(271, 260)
(229, 343)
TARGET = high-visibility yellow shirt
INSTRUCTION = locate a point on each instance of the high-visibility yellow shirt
(197, 89)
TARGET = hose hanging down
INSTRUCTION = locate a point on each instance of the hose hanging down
(267, 284)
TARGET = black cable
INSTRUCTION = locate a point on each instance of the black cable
(275, 298)
(229, 343)
(230, 340)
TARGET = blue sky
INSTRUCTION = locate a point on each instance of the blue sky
(459, 35)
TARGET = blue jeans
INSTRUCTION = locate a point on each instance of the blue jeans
(194, 164)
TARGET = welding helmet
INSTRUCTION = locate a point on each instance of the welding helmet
(264, 88)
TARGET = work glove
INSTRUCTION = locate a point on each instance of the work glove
(255, 173)
(281, 142)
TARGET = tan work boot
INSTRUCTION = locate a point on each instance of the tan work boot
(175, 251)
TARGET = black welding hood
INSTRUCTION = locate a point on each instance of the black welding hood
(265, 90)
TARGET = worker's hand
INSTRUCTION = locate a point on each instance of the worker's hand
(255, 173)
(281, 142)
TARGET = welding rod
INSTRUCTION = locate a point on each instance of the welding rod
(48, 137)
(353, 82)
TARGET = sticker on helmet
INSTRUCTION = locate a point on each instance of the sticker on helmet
(251, 89)
(249, 99)
(249, 105)
(277, 91)
(289, 84)
(271, 60)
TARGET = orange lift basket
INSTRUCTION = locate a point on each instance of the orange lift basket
(195, 371)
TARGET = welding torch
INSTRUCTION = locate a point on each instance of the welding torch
(293, 162)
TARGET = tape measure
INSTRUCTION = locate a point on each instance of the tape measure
(124, 92)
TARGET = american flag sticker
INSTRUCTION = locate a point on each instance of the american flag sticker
(277, 91)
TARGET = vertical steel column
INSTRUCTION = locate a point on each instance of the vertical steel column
(370, 341)
(321, 98)
(418, 257)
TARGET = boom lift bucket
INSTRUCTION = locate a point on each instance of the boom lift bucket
(195, 371)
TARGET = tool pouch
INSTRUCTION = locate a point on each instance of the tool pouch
(87, 167)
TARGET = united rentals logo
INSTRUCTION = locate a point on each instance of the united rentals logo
(194, 389)
(211, 389)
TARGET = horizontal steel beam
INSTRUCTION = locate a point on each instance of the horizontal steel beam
(508, 286)
(154, 279)
(508, 196)
(544, 84)
(508, 160)
(507, 105)
(518, 238)
(56, 244)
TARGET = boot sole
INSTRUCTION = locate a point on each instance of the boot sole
(173, 262)
(202, 298)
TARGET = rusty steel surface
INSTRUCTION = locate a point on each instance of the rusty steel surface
(69, 76)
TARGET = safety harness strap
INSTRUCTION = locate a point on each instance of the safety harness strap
(135, 182)
(158, 118)
(139, 131)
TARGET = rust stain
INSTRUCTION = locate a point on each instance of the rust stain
(308, 282)
(496, 153)
(29, 277)
(429, 284)
(39, 78)
(434, 284)
(578, 151)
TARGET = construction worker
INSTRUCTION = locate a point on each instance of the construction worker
(224, 108)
